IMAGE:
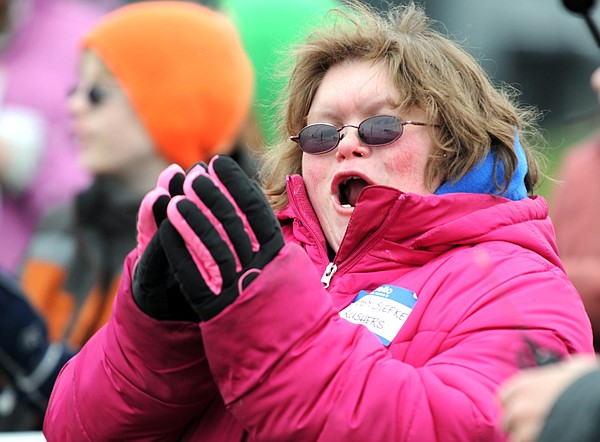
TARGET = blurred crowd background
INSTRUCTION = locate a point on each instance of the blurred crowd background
(544, 50)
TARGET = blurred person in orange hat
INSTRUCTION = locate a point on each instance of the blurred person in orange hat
(160, 82)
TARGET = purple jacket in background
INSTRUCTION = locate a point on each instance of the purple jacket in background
(39, 65)
(282, 364)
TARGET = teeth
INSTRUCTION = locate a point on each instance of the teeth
(347, 206)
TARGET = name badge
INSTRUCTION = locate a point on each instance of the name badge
(383, 311)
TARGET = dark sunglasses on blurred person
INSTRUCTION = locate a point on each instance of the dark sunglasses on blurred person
(95, 95)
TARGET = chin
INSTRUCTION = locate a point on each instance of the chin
(335, 231)
(94, 166)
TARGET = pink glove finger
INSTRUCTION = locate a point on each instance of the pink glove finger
(193, 197)
(167, 175)
(242, 215)
(203, 259)
(146, 224)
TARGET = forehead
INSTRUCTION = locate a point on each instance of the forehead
(92, 67)
(355, 85)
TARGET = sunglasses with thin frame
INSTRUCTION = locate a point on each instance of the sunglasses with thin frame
(379, 130)
(95, 95)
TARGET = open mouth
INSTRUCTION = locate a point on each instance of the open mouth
(349, 190)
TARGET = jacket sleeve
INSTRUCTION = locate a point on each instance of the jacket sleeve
(576, 413)
(292, 369)
(44, 271)
(137, 378)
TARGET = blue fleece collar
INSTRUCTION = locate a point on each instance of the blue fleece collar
(479, 178)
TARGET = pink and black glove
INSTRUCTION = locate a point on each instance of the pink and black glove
(155, 290)
(219, 235)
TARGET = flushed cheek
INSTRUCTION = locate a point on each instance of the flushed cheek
(315, 176)
(407, 172)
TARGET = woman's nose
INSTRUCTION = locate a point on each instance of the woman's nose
(76, 102)
(350, 144)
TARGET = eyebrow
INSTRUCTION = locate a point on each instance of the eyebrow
(369, 111)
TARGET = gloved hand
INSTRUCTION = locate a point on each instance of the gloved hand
(155, 290)
(31, 362)
(219, 235)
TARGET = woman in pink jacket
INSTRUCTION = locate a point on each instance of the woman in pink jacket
(408, 270)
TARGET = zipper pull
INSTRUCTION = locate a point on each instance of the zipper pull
(329, 272)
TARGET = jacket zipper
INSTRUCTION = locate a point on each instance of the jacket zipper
(329, 272)
(332, 267)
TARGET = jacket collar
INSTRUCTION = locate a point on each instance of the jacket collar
(421, 227)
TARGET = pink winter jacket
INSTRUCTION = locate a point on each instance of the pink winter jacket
(281, 364)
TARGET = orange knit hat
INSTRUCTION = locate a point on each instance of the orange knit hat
(185, 71)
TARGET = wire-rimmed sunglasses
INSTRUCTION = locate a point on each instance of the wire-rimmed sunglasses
(380, 130)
